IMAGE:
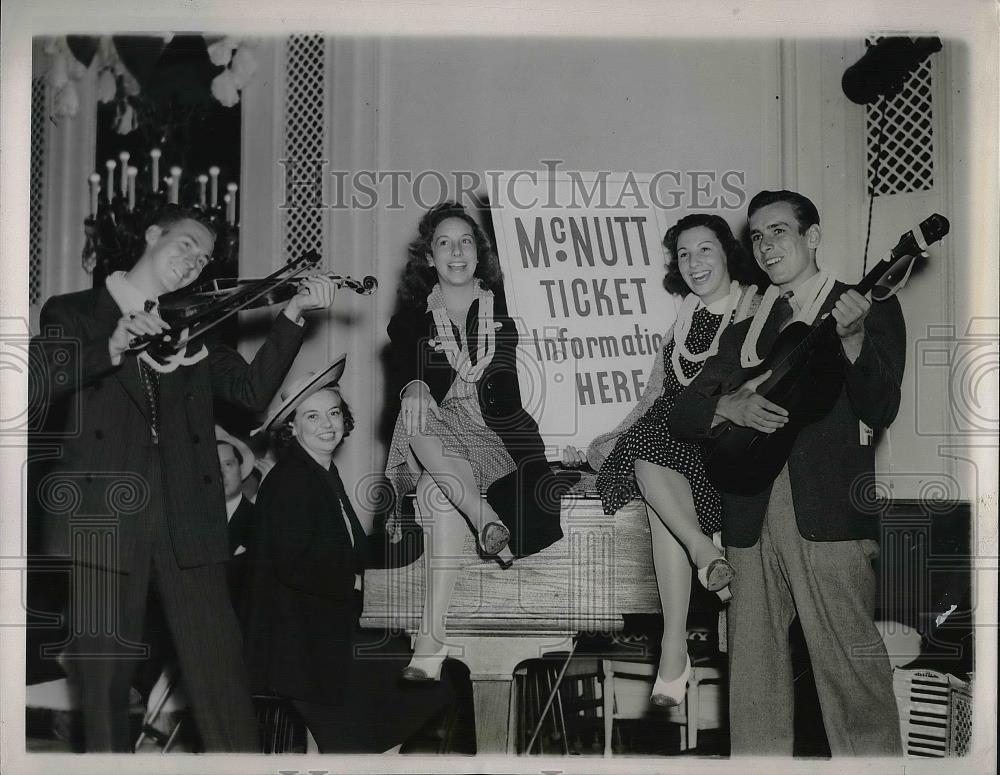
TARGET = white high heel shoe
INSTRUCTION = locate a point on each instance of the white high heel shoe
(427, 668)
(667, 694)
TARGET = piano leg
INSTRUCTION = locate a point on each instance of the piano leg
(492, 701)
(491, 661)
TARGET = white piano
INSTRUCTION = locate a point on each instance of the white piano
(498, 618)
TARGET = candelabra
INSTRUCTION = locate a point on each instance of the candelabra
(123, 208)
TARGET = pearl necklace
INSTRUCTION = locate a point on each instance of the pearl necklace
(682, 326)
(457, 355)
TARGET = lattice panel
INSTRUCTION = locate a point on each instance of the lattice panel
(36, 189)
(907, 158)
(305, 108)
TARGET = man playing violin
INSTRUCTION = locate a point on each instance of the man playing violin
(803, 546)
(143, 460)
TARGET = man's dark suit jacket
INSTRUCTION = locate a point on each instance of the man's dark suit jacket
(831, 473)
(239, 531)
(528, 500)
(240, 525)
(107, 462)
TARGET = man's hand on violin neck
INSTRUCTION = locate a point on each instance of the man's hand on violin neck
(315, 292)
(130, 326)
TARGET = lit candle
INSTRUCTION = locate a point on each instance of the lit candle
(155, 170)
(110, 164)
(213, 199)
(202, 180)
(175, 184)
(123, 157)
(95, 186)
(231, 203)
(170, 190)
(132, 172)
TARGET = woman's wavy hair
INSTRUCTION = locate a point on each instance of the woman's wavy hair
(742, 267)
(283, 435)
(419, 277)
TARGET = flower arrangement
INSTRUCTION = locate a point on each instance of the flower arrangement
(236, 56)
(125, 62)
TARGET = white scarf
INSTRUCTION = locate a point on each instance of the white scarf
(682, 326)
(458, 356)
(809, 308)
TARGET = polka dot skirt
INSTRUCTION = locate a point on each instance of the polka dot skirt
(648, 439)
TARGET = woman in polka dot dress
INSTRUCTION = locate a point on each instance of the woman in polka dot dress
(640, 458)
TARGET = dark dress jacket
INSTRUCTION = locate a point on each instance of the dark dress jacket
(302, 638)
(831, 473)
(300, 599)
(528, 499)
(109, 459)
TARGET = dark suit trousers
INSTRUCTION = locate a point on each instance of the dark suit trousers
(106, 619)
(831, 586)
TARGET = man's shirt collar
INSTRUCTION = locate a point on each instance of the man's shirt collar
(126, 295)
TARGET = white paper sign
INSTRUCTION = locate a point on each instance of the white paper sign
(583, 271)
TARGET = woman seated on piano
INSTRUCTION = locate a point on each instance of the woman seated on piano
(462, 439)
(639, 458)
(307, 559)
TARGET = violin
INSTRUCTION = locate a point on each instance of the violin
(215, 291)
(807, 375)
(191, 313)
